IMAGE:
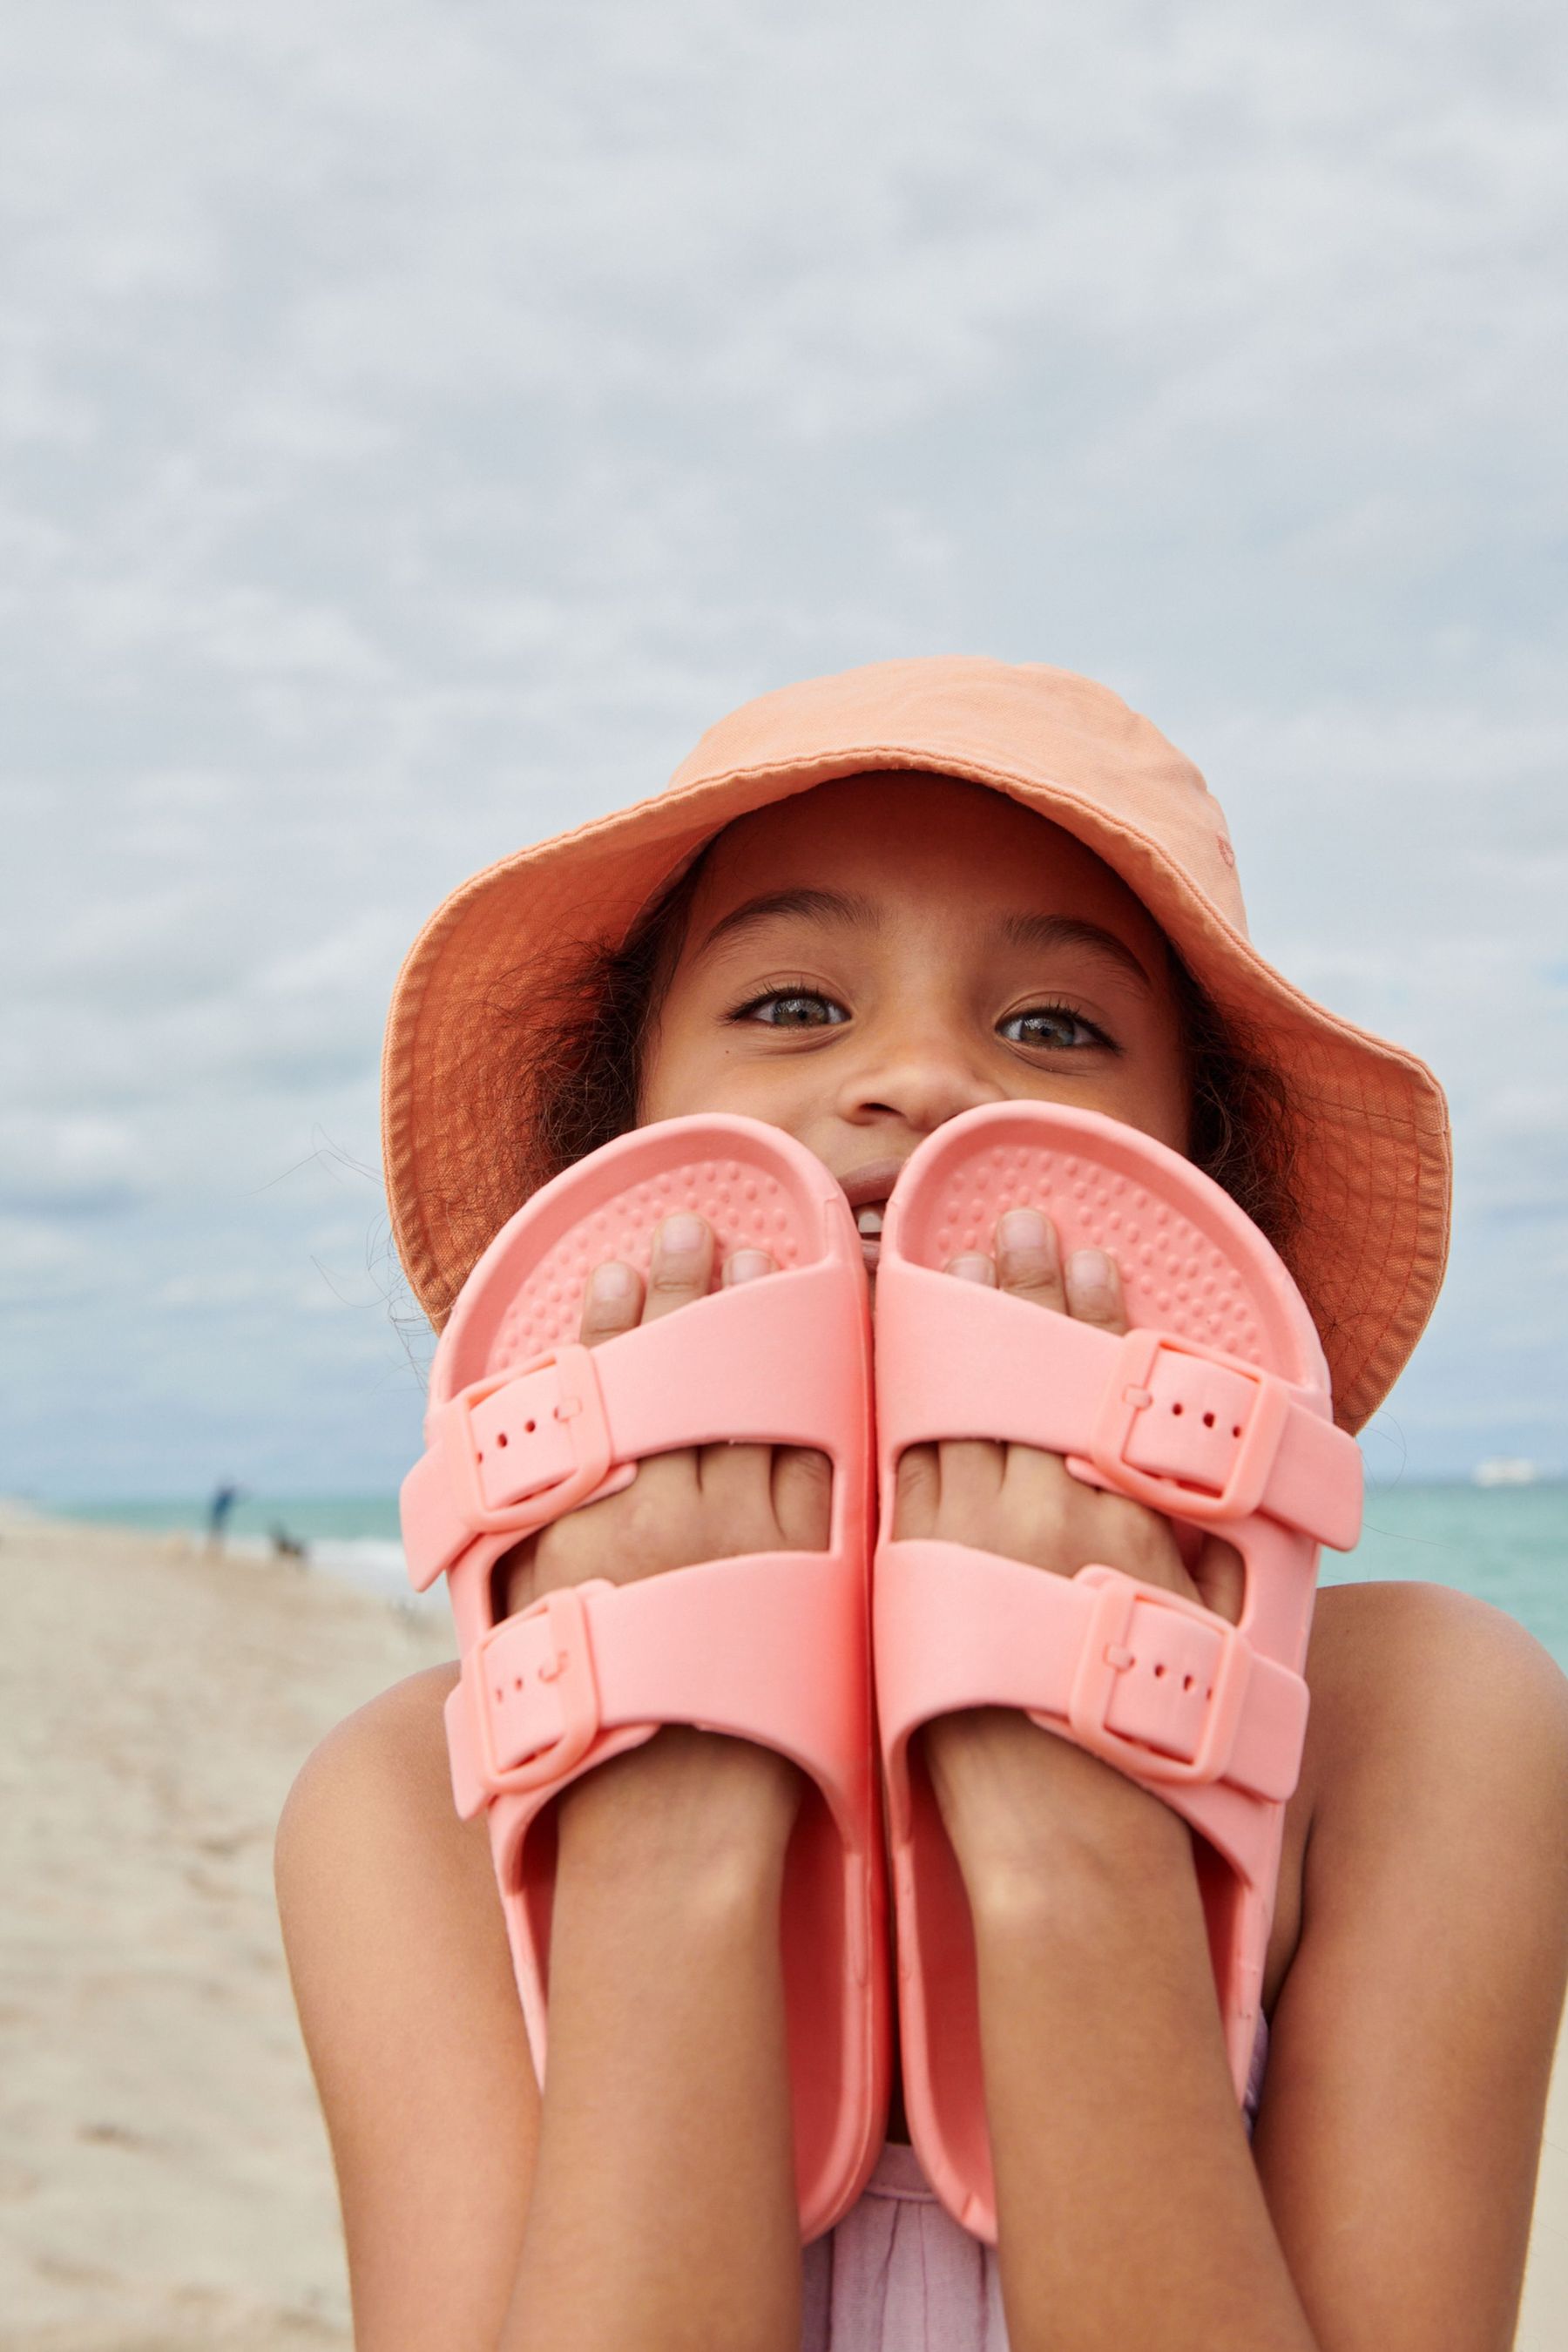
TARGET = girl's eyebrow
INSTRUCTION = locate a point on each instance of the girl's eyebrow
(819, 906)
(1031, 930)
(1070, 932)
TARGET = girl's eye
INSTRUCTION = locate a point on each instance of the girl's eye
(1051, 1025)
(792, 1008)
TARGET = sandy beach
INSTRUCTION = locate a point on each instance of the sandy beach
(164, 2181)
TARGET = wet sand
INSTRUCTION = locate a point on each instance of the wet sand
(164, 2180)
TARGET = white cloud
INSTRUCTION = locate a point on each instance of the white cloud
(423, 421)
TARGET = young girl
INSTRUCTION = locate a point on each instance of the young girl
(863, 907)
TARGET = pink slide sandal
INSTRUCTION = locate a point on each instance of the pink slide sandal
(1214, 1409)
(523, 1423)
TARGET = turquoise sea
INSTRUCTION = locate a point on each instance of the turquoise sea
(1507, 1545)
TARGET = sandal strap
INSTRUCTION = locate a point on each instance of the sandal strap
(1183, 1427)
(770, 1646)
(1161, 1687)
(777, 1362)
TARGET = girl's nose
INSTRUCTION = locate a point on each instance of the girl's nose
(916, 1086)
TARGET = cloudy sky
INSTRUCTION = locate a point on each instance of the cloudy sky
(419, 420)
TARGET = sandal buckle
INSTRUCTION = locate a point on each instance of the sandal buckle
(533, 1693)
(556, 1455)
(1107, 1651)
(1255, 1404)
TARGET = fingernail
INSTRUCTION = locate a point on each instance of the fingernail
(973, 1267)
(1090, 1280)
(610, 1282)
(1024, 1233)
(746, 1264)
(679, 1236)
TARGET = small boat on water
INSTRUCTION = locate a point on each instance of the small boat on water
(1506, 1470)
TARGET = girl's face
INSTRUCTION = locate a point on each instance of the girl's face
(868, 958)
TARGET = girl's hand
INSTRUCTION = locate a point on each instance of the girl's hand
(1016, 1801)
(707, 1502)
(699, 1503)
(1027, 1506)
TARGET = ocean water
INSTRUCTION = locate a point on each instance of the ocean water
(1507, 1545)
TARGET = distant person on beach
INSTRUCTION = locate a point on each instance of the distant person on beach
(932, 894)
(219, 1509)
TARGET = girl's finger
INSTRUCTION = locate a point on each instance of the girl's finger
(970, 1468)
(682, 1266)
(1220, 1578)
(736, 1480)
(741, 1472)
(917, 1492)
(612, 1302)
(1094, 1290)
(682, 1271)
(735, 1484)
(1029, 1259)
(746, 1266)
(758, 1493)
(803, 1496)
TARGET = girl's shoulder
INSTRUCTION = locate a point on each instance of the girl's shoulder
(1434, 1715)
(1416, 1971)
(370, 1812)
(1436, 1760)
(379, 1775)
(1423, 1667)
(401, 1726)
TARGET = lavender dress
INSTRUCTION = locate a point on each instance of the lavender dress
(898, 2275)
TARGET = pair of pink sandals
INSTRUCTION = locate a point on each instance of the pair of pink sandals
(1214, 1409)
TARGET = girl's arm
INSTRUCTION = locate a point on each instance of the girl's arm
(663, 2202)
(649, 2199)
(1416, 2024)
(1129, 2210)
(1423, 1978)
(1396, 2154)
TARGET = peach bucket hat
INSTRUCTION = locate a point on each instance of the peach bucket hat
(1370, 1158)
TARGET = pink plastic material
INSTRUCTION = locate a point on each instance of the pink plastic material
(524, 1425)
(1214, 1410)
